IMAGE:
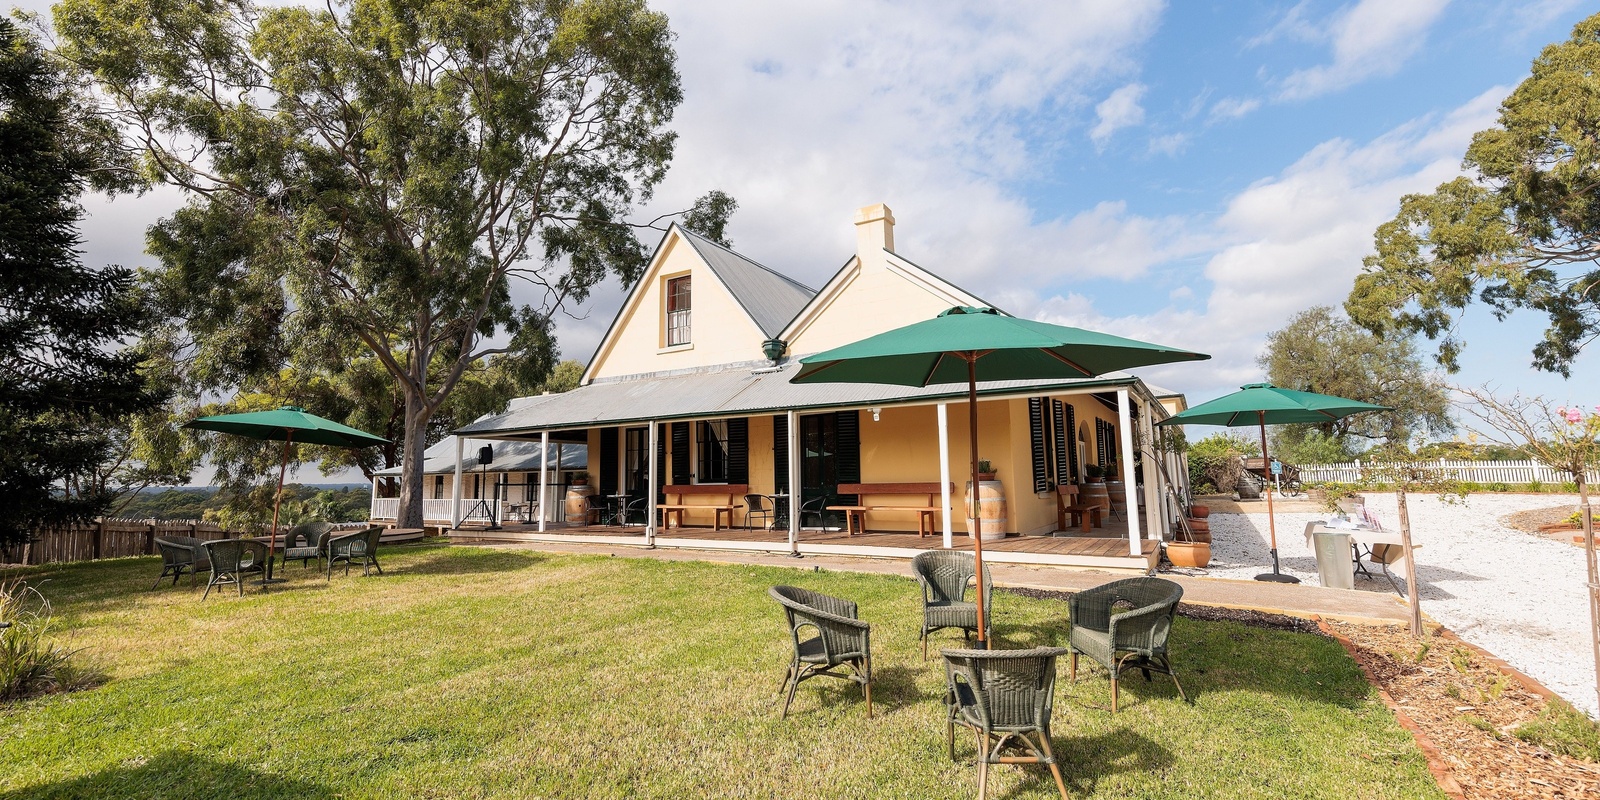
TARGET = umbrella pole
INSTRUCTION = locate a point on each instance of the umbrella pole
(1275, 576)
(277, 500)
(977, 535)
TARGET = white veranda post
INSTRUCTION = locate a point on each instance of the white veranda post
(544, 474)
(655, 481)
(794, 483)
(1125, 473)
(944, 473)
(455, 488)
(1152, 476)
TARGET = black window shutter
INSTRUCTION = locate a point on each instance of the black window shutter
(661, 462)
(849, 456)
(1111, 445)
(608, 461)
(680, 453)
(1072, 440)
(1099, 441)
(1058, 415)
(1036, 445)
(780, 453)
(739, 450)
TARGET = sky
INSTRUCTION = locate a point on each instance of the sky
(1189, 173)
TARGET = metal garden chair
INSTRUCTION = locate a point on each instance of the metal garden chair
(841, 640)
(1004, 696)
(233, 559)
(945, 576)
(756, 505)
(1124, 625)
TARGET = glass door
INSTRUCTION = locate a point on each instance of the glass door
(819, 468)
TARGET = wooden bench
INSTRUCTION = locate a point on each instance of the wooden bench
(856, 515)
(715, 492)
(1083, 514)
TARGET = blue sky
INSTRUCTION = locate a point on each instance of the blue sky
(1189, 173)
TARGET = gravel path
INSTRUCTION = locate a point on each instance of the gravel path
(1513, 593)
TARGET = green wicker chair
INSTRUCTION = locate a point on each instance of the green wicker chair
(841, 640)
(180, 554)
(1003, 696)
(304, 542)
(946, 576)
(1119, 639)
(360, 547)
(233, 559)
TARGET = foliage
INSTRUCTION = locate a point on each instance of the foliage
(31, 661)
(1216, 461)
(1309, 447)
(373, 177)
(1329, 494)
(1520, 233)
(1562, 729)
(1321, 351)
(1472, 450)
(63, 372)
(677, 662)
(709, 217)
(347, 504)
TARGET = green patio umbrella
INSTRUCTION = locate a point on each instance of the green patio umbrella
(290, 425)
(968, 345)
(1263, 404)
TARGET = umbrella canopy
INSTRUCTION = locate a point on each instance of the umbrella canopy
(1263, 404)
(1256, 403)
(925, 353)
(966, 344)
(289, 423)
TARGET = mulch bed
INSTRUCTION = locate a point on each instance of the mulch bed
(1468, 707)
(1463, 705)
(1550, 522)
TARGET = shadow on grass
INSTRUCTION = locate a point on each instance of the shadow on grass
(464, 562)
(176, 774)
(1084, 761)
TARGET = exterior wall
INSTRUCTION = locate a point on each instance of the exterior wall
(873, 300)
(720, 330)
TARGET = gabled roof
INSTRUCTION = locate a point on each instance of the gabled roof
(769, 298)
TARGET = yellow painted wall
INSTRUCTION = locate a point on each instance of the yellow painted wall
(874, 300)
(720, 330)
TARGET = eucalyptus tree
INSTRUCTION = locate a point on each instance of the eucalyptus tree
(1520, 232)
(384, 172)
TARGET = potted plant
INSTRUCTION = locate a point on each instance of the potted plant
(580, 478)
(986, 471)
(1096, 473)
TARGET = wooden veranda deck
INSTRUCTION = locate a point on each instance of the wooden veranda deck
(1104, 548)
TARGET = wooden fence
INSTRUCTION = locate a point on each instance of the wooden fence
(112, 538)
(1508, 472)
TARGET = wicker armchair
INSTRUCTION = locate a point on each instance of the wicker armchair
(304, 542)
(841, 640)
(360, 547)
(232, 559)
(1003, 696)
(946, 576)
(1123, 640)
(180, 554)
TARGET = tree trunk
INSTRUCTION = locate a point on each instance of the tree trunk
(1413, 599)
(1586, 516)
(411, 447)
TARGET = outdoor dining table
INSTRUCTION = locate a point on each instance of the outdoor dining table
(780, 511)
(1336, 560)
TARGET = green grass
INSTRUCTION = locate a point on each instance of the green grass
(1560, 728)
(489, 673)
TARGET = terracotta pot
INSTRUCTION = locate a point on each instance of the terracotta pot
(1189, 554)
(1199, 524)
(1199, 512)
(1201, 535)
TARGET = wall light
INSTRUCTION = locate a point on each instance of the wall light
(875, 413)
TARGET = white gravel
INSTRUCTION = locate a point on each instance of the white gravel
(1515, 594)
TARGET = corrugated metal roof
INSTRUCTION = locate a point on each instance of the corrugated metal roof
(770, 299)
(509, 456)
(732, 392)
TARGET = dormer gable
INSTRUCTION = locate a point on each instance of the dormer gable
(698, 304)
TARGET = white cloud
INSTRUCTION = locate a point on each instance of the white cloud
(1119, 110)
(1370, 39)
(1233, 108)
(1170, 144)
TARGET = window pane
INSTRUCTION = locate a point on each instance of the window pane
(713, 466)
(677, 311)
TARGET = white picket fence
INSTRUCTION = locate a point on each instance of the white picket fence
(1511, 472)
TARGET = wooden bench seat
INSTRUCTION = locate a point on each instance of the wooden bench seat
(1083, 514)
(856, 515)
(713, 492)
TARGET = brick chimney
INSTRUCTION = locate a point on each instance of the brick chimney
(874, 233)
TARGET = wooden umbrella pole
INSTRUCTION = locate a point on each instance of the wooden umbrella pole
(1266, 469)
(977, 535)
(272, 538)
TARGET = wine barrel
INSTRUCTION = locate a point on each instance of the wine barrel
(578, 506)
(991, 510)
(1094, 493)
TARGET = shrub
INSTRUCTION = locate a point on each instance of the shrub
(30, 662)
(1535, 486)
(1498, 486)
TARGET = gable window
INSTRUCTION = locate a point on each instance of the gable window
(678, 311)
(713, 436)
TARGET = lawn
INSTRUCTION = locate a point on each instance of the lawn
(470, 672)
